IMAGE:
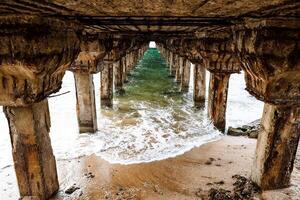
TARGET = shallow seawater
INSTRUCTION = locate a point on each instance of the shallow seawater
(151, 121)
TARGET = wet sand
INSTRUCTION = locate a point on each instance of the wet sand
(188, 176)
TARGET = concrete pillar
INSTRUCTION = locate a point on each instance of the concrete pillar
(185, 76)
(169, 57)
(217, 99)
(276, 146)
(119, 77)
(85, 102)
(107, 85)
(124, 77)
(172, 64)
(199, 84)
(128, 63)
(134, 58)
(34, 162)
(139, 53)
(178, 69)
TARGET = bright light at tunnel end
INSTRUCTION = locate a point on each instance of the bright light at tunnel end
(152, 44)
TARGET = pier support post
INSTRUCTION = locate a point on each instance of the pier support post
(119, 77)
(107, 85)
(128, 63)
(178, 69)
(30, 72)
(125, 69)
(85, 102)
(199, 84)
(217, 99)
(185, 76)
(34, 161)
(276, 146)
(275, 80)
(168, 57)
(171, 64)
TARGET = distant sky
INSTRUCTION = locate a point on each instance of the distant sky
(152, 44)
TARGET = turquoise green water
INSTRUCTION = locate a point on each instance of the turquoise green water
(150, 82)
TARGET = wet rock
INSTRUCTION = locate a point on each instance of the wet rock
(72, 189)
(251, 130)
(236, 132)
(253, 134)
(219, 194)
(244, 189)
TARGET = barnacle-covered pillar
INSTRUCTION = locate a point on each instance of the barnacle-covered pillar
(29, 72)
(271, 61)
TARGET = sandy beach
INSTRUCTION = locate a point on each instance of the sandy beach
(188, 176)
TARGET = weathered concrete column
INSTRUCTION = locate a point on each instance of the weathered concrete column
(178, 69)
(107, 85)
(185, 76)
(29, 72)
(119, 77)
(125, 70)
(271, 66)
(128, 63)
(166, 55)
(172, 64)
(134, 58)
(85, 102)
(35, 164)
(217, 99)
(276, 146)
(199, 84)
